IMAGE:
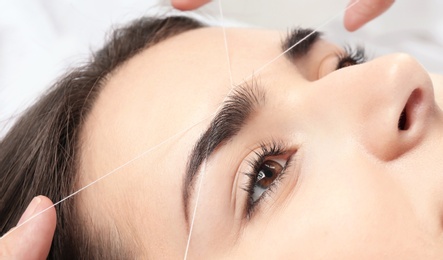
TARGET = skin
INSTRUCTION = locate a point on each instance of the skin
(355, 17)
(358, 187)
(364, 11)
(33, 239)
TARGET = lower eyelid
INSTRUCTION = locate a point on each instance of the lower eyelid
(267, 198)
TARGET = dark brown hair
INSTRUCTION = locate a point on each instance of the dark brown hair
(39, 155)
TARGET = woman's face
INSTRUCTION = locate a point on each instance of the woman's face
(321, 163)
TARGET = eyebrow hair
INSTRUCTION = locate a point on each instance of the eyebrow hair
(238, 107)
(303, 39)
(236, 110)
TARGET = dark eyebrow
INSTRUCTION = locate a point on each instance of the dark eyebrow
(304, 38)
(239, 106)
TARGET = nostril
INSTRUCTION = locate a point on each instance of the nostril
(402, 121)
(408, 115)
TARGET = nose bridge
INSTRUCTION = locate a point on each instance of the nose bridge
(366, 101)
(380, 83)
(396, 74)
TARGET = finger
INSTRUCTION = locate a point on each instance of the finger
(185, 5)
(33, 239)
(364, 11)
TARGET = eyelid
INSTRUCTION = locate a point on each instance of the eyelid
(332, 62)
(328, 65)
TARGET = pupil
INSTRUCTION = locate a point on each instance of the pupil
(268, 171)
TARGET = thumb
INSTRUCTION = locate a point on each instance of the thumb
(31, 240)
(364, 11)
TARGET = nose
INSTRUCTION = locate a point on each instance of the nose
(389, 102)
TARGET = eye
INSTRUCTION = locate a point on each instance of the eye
(352, 56)
(268, 173)
(267, 169)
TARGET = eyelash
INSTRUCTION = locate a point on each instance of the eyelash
(265, 152)
(352, 56)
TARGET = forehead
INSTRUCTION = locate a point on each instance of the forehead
(179, 82)
(162, 91)
(190, 68)
(174, 85)
(157, 94)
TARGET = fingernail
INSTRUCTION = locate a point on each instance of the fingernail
(30, 210)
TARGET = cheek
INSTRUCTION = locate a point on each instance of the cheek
(343, 206)
(326, 113)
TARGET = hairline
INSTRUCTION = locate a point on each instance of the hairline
(101, 84)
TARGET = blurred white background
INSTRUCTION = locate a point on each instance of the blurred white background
(40, 39)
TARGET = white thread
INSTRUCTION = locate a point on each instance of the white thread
(300, 41)
(207, 148)
(152, 148)
(196, 204)
(226, 42)
(249, 77)
(171, 137)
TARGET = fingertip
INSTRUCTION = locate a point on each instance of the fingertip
(352, 19)
(49, 216)
(186, 5)
(351, 23)
(359, 12)
(32, 238)
(40, 231)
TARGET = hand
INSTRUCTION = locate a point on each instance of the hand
(355, 17)
(33, 239)
(364, 11)
(185, 5)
